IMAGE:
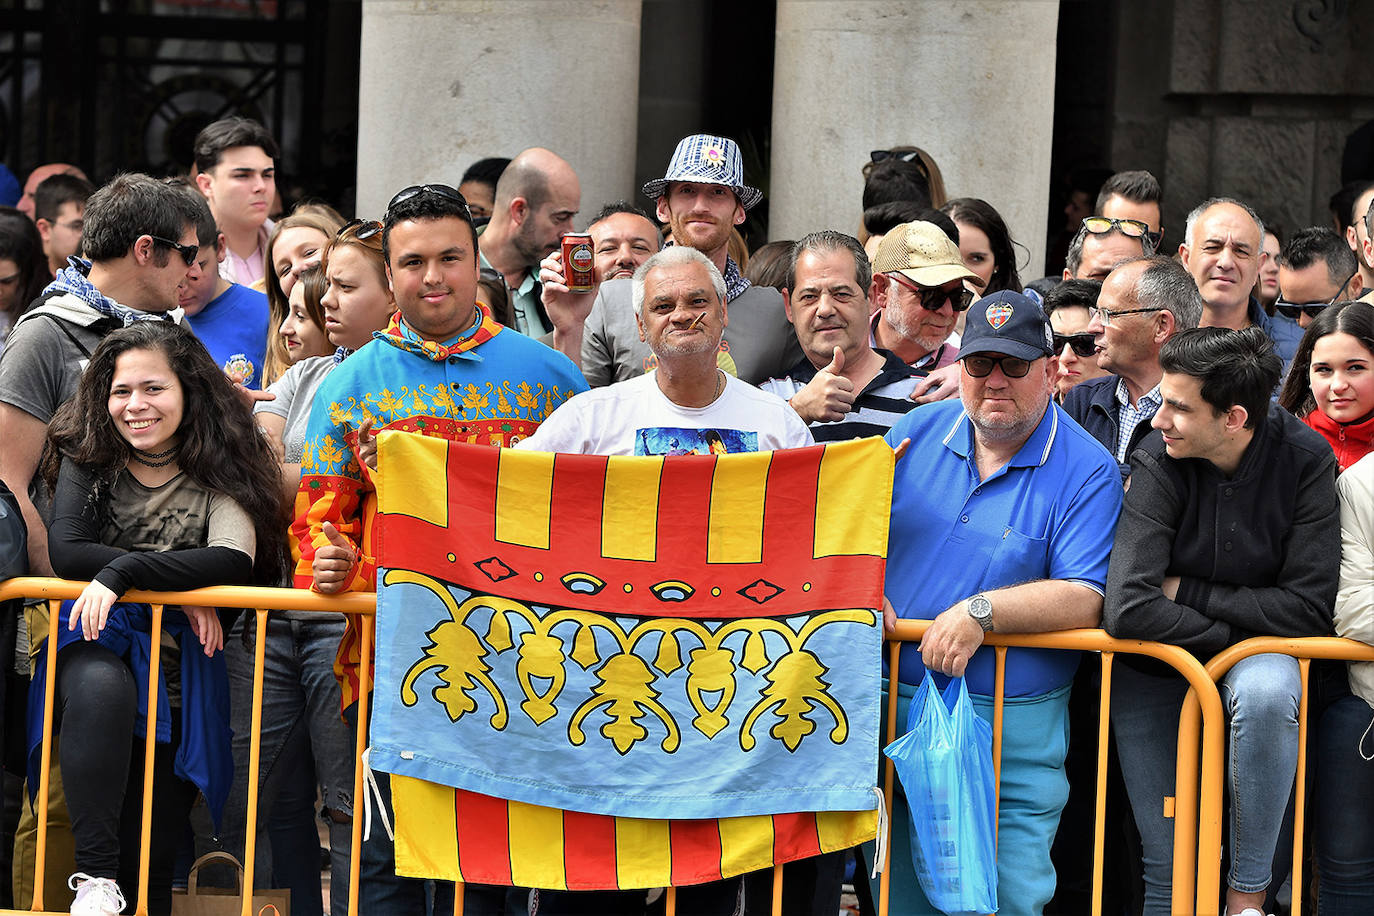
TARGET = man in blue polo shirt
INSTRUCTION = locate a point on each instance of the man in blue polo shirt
(1003, 512)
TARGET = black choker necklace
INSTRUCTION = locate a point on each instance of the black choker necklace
(155, 460)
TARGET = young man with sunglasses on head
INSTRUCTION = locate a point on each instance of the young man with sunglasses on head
(1133, 195)
(917, 293)
(444, 349)
(1316, 268)
(140, 238)
(1102, 243)
(1143, 303)
(1002, 519)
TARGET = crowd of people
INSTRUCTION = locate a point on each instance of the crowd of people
(1170, 446)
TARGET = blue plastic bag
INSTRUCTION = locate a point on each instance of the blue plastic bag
(945, 764)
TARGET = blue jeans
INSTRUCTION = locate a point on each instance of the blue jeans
(1343, 799)
(1035, 739)
(1260, 699)
(305, 744)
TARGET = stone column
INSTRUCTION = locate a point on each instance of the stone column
(443, 83)
(969, 81)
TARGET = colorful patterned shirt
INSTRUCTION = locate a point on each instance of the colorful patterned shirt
(485, 386)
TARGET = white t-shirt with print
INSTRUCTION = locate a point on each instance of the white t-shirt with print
(634, 417)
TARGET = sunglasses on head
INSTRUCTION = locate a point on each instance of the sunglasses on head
(981, 366)
(933, 298)
(1132, 228)
(1081, 344)
(439, 190)
(363, 229)
(188, 252)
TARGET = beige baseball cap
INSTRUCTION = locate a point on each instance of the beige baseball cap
(924, 254)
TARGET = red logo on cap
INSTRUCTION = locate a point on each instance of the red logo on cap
(998, 314)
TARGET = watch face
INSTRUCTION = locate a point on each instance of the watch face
(980, 607)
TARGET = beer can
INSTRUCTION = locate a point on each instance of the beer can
(579, 266)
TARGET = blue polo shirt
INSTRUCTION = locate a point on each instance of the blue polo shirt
(1050, 513)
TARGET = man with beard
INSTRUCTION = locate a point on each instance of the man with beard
(917, 293)
(537, 197)
(623, 237)
(702, 197)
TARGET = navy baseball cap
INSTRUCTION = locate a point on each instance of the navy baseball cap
(1009, 324)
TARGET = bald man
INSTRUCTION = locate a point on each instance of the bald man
(537, 197)
(36, 178)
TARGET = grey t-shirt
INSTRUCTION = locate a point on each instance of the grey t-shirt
(295, 392)
(759, 342)
(45, 353)
(44, 356)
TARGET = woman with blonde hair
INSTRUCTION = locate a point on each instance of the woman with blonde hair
(296, 241)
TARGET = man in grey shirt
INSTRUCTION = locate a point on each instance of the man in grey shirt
(138, 235)
(702, 197)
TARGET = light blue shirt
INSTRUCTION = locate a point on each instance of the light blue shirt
(1050, 513)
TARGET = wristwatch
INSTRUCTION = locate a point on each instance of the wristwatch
(980, 609)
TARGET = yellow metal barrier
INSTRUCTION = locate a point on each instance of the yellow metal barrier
(1305, 650)
(1197, 829)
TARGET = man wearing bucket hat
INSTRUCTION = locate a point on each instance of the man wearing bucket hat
(1003, 512)
(702, 196)
(917, 293)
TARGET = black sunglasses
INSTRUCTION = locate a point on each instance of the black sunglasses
(440, 190)
(365, 229)
(188, 252)
(933, 298)
(981, 366)
(1082, 344)
(1311, 309)
(1294, 309)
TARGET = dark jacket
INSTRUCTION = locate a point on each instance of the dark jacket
(1094, 407)
(1258, 553)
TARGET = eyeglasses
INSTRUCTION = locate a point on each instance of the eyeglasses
(440, 190)
(1132, 228)
(363, 229)
(933, 298)
(909, 156)
(1105, 315)
(982, 366)
(1310, 309)
(188, 252)
(1082, 344)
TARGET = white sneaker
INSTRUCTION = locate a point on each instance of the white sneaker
(95, 896)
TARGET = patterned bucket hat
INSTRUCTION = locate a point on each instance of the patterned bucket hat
(710, 160)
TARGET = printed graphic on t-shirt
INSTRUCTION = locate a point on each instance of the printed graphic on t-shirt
(667, 440)
(240, 368)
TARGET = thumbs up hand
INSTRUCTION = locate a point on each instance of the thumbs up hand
(333, 562)
(828, 396)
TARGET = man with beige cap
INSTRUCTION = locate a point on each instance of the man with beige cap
(917, 293)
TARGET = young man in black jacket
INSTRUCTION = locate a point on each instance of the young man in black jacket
(1228, 531)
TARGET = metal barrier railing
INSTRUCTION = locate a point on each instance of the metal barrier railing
(1197, 824)
(1197, 828)
(1305, 650)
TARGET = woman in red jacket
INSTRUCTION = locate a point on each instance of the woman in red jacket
(1331, 384)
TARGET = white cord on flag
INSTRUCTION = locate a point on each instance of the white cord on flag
(371, 790)
(880, 854)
